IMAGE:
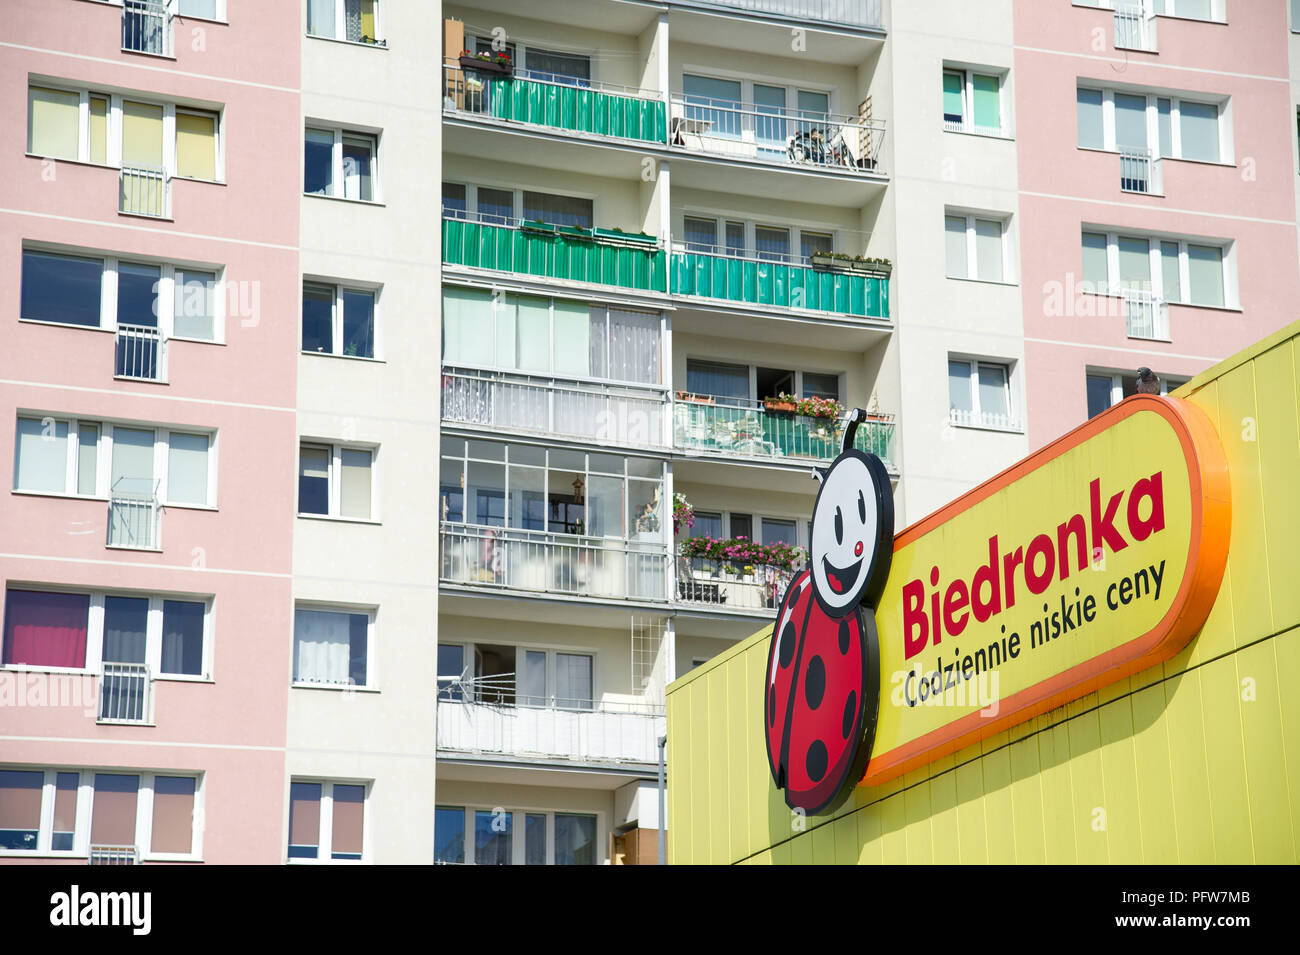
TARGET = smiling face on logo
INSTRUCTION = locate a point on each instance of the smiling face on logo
(847, 528)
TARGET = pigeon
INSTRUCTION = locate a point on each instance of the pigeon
(1147, 382)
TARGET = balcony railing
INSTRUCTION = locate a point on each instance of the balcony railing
(543, 562)
(141, 353)
(967, 125)
(1140, 172)
(114, 855)
(1134, 30)
(1145, 315)
(776, 281)
(124, 694)
(734, 428)
(515, 401)
(134, 521)
(990, 420)
(854, 13)
(789, 137)
(596, 733)
(541, 99)
(722, 586)
(572, 255)
(146, 27)
(145, 191)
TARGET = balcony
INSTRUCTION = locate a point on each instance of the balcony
(607, 413)
(863, 14)
(716, 585)
(594, 733)
(773, 281)
(146, 27)
(141, 353)
(1140, 172)
(125, 694)
(631, 261)
(701, 423)
(1135, 29)
(1146, 316)
(134, 520)
(145, 191)
(576, 565)
(829, 142)
(532, 99)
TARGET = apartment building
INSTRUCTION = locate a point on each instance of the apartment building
(657, 227)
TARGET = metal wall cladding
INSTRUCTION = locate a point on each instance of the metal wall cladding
(1193, 761)
(580, 110)
(779, 285)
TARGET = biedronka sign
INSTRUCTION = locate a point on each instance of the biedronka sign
(1096, 557)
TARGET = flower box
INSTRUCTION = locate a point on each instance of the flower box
(575, 232)
(776, 406)
(695, 399)
(536, 225)
(614, 235)
(487, 66)
(823, 260)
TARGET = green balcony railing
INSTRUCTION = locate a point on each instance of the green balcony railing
(751, 431)
(779, 284)
(572, 255)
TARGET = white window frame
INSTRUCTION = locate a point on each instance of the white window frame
(968, 74)
(1004, 220)
(335, 479)
(521, 49)
(757, 517)
(1117, 383)
(518, 843)
(341, 28)
(337, 185)
(104, 458)
(753, 375)
(978, 419)
(371, 614)
(85, 813)
(517, 209)
(1217, 12)
(324, 845)
(750, 251)
(166, 295)
(336, 319)
(1153, 97)
(1153, 240)
(219, 13)
(748, 81)
(95, 624)
(468, 648)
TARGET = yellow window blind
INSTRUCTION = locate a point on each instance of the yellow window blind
(98, 129)
(196, 145)
(368, 19)
(52, 120)
(142, 134)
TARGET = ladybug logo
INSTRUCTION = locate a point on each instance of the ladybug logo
(823, 669)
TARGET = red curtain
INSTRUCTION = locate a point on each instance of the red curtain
(44, 629)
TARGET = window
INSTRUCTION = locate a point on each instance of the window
(747, 239)
(102, 459)
(334, 481)
(68, 811)
(503, 206)
(536, 334)
(1105, 388)
(972, 101)
(204, 9)
(976, 247)
(742, 385)
(68, 289)
(979, 394)
(356, 21)
(1183, 271)
(341, 164)
(327, 821)
(81, 630)
(768, 114)
(451, 669)
(337, 320)
(1170, 126)
(332, 647)
(515, 837)
(110, 129)
(1295, 16)
(558, 210)
(518, 676)
(568, 68)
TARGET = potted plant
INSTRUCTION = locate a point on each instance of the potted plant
(683, 513)
(820, 408)
(497, 62)
(876, 265)
(575, 232)
(695, 399)
(781, 404)
(822, 260)
(537, 225)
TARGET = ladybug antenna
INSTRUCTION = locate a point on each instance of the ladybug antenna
(855, 418)
(819, 474)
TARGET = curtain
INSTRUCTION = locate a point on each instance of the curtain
(41, 455)
(98, 129)
(20, 808)
(988, 249)
(182, 637)
(467, 323)
(717, 379)
(349, 821)
(575, 839)
(173, 814)
(304, 820)
(355, 484)
(572, 338)
(772, 243)
(559, 67)
(1199, 125)
(952, 96)
(558, 210)
(53, 117)
(496, 205)
(1134, 263)
(112, 820)
(628, 350)
(320, 18)
(196, 145)
(988, 112)
(954, 236)
(531, 348)
(44, 629)
(701, 234)
(187, 468)
(322, 646)
(125, 621)
(1091, 130)
(142, 135)
(1095, 263)
(1130, 121)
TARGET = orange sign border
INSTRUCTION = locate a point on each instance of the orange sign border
(1207, 559)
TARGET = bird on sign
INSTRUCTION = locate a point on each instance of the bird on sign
(1148, 383)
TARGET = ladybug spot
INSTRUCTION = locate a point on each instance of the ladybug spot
(771, 706)
(850, 711)
(844, 636)
(817, 760)
(814, 682)
(786, 647)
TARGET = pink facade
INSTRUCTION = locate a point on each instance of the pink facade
(1246, 201)
(228, 730)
